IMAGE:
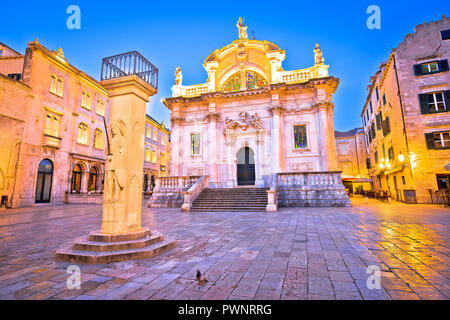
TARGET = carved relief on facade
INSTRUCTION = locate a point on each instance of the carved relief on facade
(301, 167)
(195, 171)
(246, 122)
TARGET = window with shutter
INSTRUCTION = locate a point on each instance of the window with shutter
(429, 139)
(445, 34)
(431, 67)
(441, 140)
(378, 119)
(443, 65)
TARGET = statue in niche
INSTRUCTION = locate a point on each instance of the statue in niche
(318, 55)
(116, 168)
(178, 77)
(242, 29)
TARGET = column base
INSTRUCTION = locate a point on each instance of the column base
(100, 248)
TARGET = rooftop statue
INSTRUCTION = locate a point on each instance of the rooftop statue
(178, 77)
(242, 29)
(318, 55)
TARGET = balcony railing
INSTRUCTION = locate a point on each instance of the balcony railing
(130, 63)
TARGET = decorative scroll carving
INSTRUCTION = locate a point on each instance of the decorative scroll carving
(245, 123)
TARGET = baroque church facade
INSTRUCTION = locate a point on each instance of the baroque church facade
(252, 119)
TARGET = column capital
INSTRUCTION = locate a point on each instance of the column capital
(212, 117)
(323, 105)
(177, 120)
(276, 109)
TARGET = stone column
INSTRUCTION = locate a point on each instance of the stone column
(213, 146)
(230, 161)
(277, 137)
(259, 160)
(175, 146)
(123, 181)
(327, 143)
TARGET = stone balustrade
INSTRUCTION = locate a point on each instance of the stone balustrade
(310, 189)
(296, 76)
(169, 191)
(309, 178)
(192, 194)
(181, 183)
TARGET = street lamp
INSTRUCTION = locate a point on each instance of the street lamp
(401, 158)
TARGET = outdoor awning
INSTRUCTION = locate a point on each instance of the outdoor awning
(395, 170)
(362, 180)
(442, 169)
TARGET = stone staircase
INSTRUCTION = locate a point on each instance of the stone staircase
(231, 200)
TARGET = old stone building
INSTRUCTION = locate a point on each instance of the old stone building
(252, 121)
(406, 116)
(157, 152)
(352, 159)
(52, 124)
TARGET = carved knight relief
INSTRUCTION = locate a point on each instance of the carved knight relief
(115, 181)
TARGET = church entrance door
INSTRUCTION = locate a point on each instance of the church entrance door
(246, 167)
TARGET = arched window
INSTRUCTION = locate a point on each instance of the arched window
(233, 83)
(88, 101)
(93, 180)
(53, 84)
(98, 139)
(83, 99)
(83, 134)
(145, 185)
(76, 179)
(147, 154)
(44, 182)
(154, 156)
(51, 125)
(255, 80)
(100, 107)
(59, 87)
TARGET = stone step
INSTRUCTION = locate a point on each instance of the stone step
(67, 253)
(228, 210)
(84, 244)
(231, 200)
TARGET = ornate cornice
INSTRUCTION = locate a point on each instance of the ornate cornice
(266, 90)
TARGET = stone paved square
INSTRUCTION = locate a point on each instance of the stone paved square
(298, 253)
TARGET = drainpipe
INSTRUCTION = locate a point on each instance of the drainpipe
(15, 175)
(403, 114)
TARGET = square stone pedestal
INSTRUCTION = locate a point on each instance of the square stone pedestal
(98, 248)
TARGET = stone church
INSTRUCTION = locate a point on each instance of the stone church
(252, 120)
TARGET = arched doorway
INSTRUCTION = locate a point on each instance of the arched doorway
(93, 176)
(153, 182)
(44, 182)
(246, 167)
(76, 179)
(145, 186)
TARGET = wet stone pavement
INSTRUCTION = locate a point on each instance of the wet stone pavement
(298, 253)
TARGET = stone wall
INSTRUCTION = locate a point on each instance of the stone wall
(311, 189)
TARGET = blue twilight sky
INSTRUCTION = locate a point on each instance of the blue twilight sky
(184, 33)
